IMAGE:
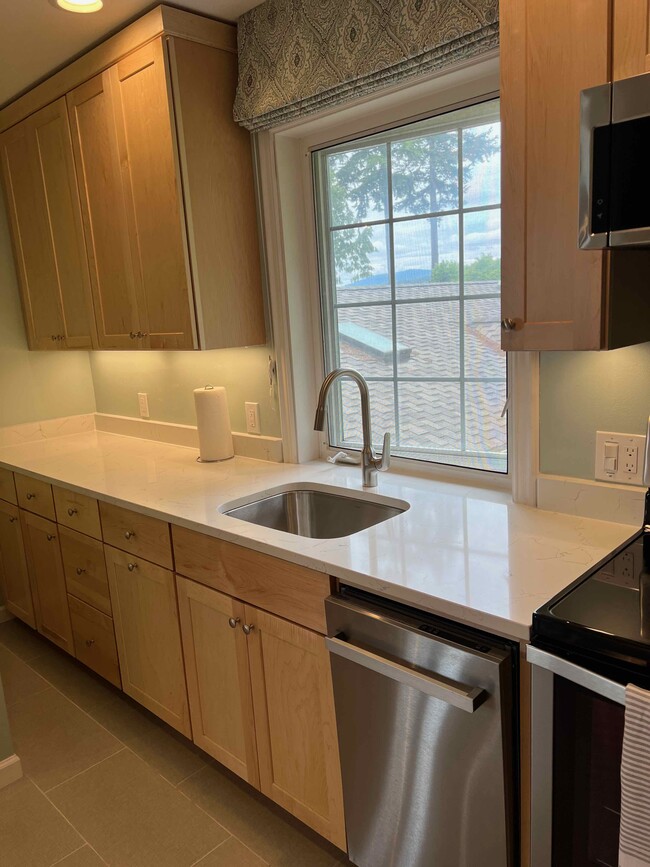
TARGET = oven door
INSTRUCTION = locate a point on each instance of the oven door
(577, 739)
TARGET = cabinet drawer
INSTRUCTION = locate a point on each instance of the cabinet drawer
(77, 511)
(85, 569)
(35, 496)
(7, 486)
(94, 640)
(291, 591)
(137, 534)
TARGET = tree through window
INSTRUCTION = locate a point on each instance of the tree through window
(410, 255)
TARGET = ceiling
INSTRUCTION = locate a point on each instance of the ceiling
(36, 38)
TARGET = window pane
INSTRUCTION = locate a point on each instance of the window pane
(483, 355)
(482, 251)
(361, 264)
(426, 257)
(429, 416)
(428, 339)
(366, 339)
(425, 174)
(382, 412)
(358, 185)
(482, 165)
(485, 429)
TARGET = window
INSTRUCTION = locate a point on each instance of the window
(409, 244)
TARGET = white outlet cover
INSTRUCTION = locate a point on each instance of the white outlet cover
(620, 476)
(252, 412)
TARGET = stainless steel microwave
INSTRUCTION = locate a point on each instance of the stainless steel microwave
(615, 164)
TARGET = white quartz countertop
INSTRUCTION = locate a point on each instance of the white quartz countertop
(463, 552)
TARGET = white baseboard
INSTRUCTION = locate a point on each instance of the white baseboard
(622, 504)
(11, 770)
(5, 615)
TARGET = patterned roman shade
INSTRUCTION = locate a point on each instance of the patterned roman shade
(299, 56)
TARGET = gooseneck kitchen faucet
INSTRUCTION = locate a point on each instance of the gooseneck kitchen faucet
(371, 463)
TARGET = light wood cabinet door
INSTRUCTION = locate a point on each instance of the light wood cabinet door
(48, 580)
(143, 123)
(97, 158)
(218, 677)
(43, 204)
(631, 25)
(14, 576)
(145, 614)
(295, 722)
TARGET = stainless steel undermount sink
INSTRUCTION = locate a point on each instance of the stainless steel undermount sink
(318, 514)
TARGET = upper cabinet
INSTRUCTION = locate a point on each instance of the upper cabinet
(43, 205)
(554, 295)
(163, 187)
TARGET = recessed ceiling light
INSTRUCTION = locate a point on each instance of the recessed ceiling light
(78, 5)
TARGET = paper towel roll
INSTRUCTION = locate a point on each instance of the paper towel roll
(213, 423)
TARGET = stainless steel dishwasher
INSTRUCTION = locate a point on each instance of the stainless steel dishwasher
(426, 717)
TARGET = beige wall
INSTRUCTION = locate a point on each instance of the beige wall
(582, 392)
(169, 379)
(34, 385)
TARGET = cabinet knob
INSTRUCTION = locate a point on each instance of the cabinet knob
(90, 642)
(129, 534)
(50, 537)
(232, 622)
(72, 512)
(248, 628)
(131, 566)
(31, 496)
(13, 519)
(509, 324)
(79, 570)
(132, 335)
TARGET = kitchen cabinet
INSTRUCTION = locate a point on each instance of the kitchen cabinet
(554, 295)
(7, 486)
(35, 495)
(14, 576)
(94, 640)
(145, 614)
(85, 569)
(218, 677)
(295, 722)
(48, 580)
(43, 205)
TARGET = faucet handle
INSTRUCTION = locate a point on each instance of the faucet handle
(384, 463)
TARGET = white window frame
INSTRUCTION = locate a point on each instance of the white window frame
(289, 234)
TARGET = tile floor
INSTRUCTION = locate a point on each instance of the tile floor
(108, 783)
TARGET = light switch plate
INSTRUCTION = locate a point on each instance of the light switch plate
(143, 404)
(252, 411)
(629, 469)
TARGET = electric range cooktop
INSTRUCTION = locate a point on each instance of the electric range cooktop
(602, 620)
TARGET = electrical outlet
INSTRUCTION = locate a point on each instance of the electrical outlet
(252, 411)
(619, 458)
(625, 569)
(143, 403)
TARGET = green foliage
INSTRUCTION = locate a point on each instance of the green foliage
(486, 267)
(445, 272)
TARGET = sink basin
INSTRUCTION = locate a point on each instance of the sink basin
(316, 514)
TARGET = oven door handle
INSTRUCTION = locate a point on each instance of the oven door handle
(459, 695)
(576, 674)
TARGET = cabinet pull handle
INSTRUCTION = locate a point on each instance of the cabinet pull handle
(132, 335)
(90, 642)
(79, 570)
(31, 496)
(72, 512)
(13, 519)
(248, 628)
(50, 537)
(232, 622)
(53, 337)
(129, 534)
(509, 324)
(131, 566)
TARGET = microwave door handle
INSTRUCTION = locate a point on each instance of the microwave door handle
(459, 695)
(576, 674)
(595, 112)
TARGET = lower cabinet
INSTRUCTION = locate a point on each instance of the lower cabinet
(94, 640)
(286, 743)
(14, 577)
(41, 539)
(147, 630)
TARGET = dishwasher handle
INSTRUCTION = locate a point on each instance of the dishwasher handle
(459, 695)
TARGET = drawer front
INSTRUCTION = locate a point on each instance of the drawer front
(7, 486)
(78, 512)
(35, 496)
(286, 589)
(85, 569)
(94, 640)
(137, 534)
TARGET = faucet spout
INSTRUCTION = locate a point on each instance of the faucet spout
(371, 464)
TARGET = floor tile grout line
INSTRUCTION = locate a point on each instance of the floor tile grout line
(70, 854)
(250, 849)
(65, 818)
(205, 854)
(89, 768)
(29, 695)
(189, 776)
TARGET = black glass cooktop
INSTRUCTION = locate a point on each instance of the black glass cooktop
(603, 619)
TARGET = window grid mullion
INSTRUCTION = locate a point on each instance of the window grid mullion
(461, 291)
(412, 217)
(393, 288)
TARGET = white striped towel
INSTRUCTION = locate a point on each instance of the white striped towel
(634, 844)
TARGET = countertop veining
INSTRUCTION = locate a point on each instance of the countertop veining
(462, 552)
